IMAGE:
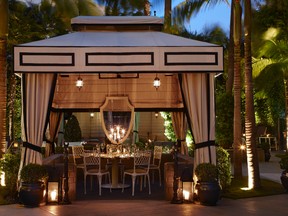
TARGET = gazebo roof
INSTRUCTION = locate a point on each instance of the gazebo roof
(118, 39)
(116, 20)
(106, 50)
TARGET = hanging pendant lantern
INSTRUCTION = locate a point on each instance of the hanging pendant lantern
(79, 83)
(156, 82)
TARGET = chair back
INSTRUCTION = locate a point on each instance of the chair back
(157, 154)
(142, 158)
(92, 161)
(77, 152)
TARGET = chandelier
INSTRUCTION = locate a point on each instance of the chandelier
(117, 133)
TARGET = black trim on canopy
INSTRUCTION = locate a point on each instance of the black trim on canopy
(31, 146)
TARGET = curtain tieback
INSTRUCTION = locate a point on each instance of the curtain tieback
(205, 144)
(32, 146)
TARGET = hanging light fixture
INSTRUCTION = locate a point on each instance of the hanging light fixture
(79, 82)
(156, 82)
(156, 114)
(117, 133)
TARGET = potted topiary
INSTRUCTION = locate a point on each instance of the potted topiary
(284, 176)
(33, 177)
(207, 186)
(266, 148)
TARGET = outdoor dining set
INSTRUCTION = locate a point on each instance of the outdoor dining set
(108, 162)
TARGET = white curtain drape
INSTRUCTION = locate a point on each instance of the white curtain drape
(198, 93)
(37, 94)
(54, 126)
(180, 128)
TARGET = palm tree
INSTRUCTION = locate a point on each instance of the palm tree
(230, 71)
(237, 91)
(3, 72)
(251, 149)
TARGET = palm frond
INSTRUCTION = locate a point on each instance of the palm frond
(88, 7)
(271, 74)
(183, 12)
(259, 64)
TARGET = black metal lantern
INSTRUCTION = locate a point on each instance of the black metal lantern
(53, 192)
(54, 185)
(187, 184)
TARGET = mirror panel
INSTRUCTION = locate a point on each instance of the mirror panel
(117, 115)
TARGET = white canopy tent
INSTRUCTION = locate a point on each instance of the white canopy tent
(118, 56)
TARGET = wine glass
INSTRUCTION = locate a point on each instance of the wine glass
(97, 149)
(102, 145)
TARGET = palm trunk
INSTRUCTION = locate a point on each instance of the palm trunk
(167, 15)
(252, 157)
(229, 82)
(3, 70)
(237, 92)
(146, 8)
(286, 112)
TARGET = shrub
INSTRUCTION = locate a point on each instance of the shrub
(224, 167)
(72, 130)
(9, 164)
(32, 173)
(284, 163)
(206, 172)
(224, 123)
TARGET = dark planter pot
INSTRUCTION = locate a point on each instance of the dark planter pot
(267, 156)
(31, 194)
(208, 193)
(284, 180)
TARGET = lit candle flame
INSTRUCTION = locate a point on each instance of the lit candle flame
(186, 194)
(53, 195)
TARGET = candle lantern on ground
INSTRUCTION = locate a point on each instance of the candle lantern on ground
(54, 185)
(53, 192)
(187, 184)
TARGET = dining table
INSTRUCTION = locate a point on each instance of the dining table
(115, 157)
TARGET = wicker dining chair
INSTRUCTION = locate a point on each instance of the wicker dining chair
(77, 152)
(141, 158)
(156, 162)
(92, 167)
